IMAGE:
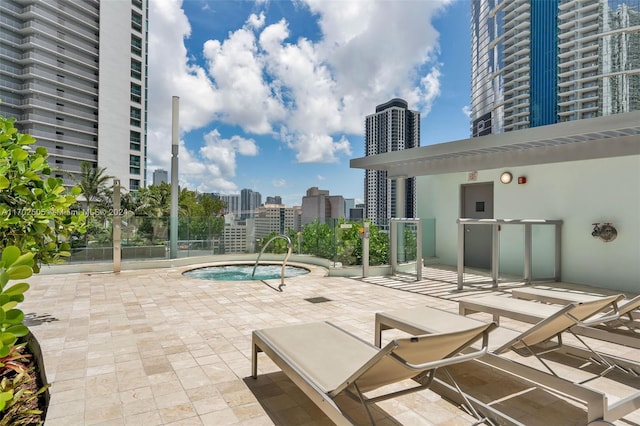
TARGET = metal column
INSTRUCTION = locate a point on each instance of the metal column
(117, 228)
(173, 226)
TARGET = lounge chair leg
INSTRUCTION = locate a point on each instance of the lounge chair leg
(364, 403)
(468, 407)
(600, 360)
(254, 361)
(532, 352)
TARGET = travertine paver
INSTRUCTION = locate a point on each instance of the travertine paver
(154, 347)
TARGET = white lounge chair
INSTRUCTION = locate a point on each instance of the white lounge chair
(604, 325)
(628, 323)
(325, 361)
(545, 336)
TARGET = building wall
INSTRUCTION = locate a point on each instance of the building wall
(540, 62)
(49, 77)
(274, 218)
(319, 205)
(67, 77)
(234, 238)
(119, 113)
(579, 193)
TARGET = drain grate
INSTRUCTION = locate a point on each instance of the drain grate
(319, 299)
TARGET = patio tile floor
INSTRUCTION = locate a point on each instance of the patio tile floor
(153, 347)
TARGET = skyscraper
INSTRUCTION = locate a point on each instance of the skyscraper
(393, 127)
(249, 201)
(74, 76)
(159, 176)
(542, 62)
(232, 203)
(319, 205)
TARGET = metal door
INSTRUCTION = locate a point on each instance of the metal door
(477, 203)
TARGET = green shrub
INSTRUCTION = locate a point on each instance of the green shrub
(35, 208)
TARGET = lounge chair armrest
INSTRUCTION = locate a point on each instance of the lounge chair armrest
(614, 314)
(443, 362)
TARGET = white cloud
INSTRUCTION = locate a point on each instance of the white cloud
(466, 110)
(245, 99)
(320, 177)
(309, 94)
(219, 154)
(256, 21)
(279, 183)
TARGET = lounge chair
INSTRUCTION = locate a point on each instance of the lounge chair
(325, 361)
(541, 338)
(629, 309)
(603, 326)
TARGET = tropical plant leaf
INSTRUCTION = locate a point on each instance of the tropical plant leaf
(10, 255)
(14, 316)
(19, 272)
(18, 330)
(16, 289)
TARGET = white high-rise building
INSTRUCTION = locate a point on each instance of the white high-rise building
(393, 127)
(535, 63)
(74, 76)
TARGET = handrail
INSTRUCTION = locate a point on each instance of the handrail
(284, 262)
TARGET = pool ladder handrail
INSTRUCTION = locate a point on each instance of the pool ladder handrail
(284, 262)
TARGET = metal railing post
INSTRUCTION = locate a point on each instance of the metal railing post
(365, 250)
(117, 228)
(495, 254)
(460, 254)
(527, 253)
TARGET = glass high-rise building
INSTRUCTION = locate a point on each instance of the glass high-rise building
(539, 62)
(74, 75)
(249, 201)
(393, 127)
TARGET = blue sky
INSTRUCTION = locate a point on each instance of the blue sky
(273, 94)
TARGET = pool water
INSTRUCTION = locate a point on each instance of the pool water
(243, 272)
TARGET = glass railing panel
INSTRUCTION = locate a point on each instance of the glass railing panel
(511, 251)
(147, 238)
(543, 238)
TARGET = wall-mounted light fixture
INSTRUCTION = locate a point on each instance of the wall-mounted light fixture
(506, 177)
(606, 232)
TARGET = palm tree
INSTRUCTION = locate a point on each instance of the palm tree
(94, 184)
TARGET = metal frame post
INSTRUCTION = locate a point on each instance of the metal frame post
(558, 257)
(173, 226)
(393, 242)
(495, 254)
(419, 250)
(117, 227)
(460, 255)
(365, 250)
(527, 253)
